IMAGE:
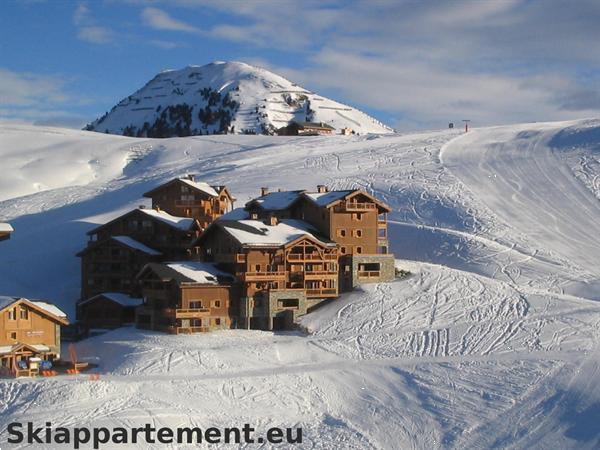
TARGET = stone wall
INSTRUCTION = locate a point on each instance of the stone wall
(386, 268)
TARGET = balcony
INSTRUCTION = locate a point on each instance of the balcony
(321, 292)
(311, 257)
(318, 274)
(355, 207)
(369, 274)
(263, 276)
(185, 330)
(186, 313)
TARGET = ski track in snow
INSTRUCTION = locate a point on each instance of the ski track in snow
(491, 341)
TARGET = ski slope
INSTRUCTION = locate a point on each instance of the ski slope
(491, 342)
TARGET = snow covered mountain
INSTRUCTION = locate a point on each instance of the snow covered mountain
(492, 342)
(225, 97)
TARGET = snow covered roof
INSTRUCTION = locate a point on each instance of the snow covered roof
(183, 223)
(117, 297)
(258, 234)
(9, 348)
(49, 307)
(6, 301)
(6, 228)
(315, 125)
(190, 272)
(276, 201)
(132, 243)
(325, 198)
(197, 185)
(235, 214)
(201, 186)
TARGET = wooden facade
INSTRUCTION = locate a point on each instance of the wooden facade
(187, 297)
(111, 265)
(185, 197)
(108, 310)
(29, 333)
(5, 231)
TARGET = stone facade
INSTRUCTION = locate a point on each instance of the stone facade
(363, 269)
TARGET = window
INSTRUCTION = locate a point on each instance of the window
(257, 267)
(346, 268)
(218, 321)
(382, 250)
(12, 335)
(343, 250)
(24, 313)
(341, 232)
(196, 304)
(357, 216)
(359, 250)
(381, 232)
(185, 189)
(12, 314)
(358, 233)
(217, 303)
(288, 303)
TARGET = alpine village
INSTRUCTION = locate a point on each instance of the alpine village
(194, 263)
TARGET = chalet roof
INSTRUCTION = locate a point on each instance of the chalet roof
(6, 228)
(197, 185)
(235, 214)
(180, 223)
(135, 245)
(117, 297)
(327, 199)
(255, 233)
(190, 272)
(48, 308)
(11, 348)
(275, 201)
(322, 125)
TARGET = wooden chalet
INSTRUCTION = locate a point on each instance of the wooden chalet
(170, 235)
(306, 129)
(186, 297)
(5, 231)
(186, 197)
(354, 219)
(108, 310)
(285, 267)
(29, 335)
(110, 265)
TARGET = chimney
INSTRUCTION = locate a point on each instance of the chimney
(273, 221)
(142, 206)
(254, 216)
(157, 208)
(321, 188)
(264, 191)
(191, 177)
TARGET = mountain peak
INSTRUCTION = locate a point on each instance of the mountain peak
(225, 97)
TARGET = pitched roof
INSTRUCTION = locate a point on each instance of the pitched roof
(45, 307)
(315, 125)
(117, 297)
(190, 272)
(235, 214)
(326, 199)
(256, 233)
(197, 185)
(276, 201)
(135, 245)
(6, 228)
(180, 223)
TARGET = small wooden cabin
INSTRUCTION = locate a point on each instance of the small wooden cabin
(5, 231)
(29, 335)
(306, 129)
(108, 310)
(186, 197)
(186, 297)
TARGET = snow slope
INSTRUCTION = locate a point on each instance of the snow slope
(493, 341)
(221, 95)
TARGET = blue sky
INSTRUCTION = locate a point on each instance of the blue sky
(412, 64)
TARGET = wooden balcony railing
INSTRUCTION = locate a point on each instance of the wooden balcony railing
(319, 273)
(186, 313)
(311, 257)
(191, 330)
(369, 274)
(324, 292)
(259, 276)
(355, 207)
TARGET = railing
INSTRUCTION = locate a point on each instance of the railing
(311, 257)
(240, 258)
(369, 274)
(185, 313)
(190, 330)
(355, 206)
(321, 292)
(263, 275)
(319, 273)
(381, 223)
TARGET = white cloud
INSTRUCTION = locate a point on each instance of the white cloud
(160, 20)
(167, 45)
(87, 28)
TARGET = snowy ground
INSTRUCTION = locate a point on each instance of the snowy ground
(491, 342)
